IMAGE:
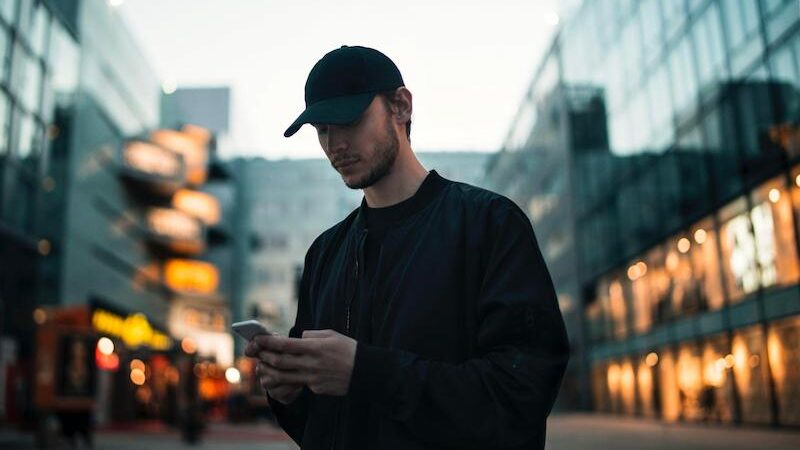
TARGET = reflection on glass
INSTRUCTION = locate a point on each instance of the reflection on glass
(775, 238)
(783, 348)
(716, 398)
(738, 251)
(600, 388)
(613, 380)
(627, 387)
(668, 387)
(690, 378)
(644, 386)
(618, 308)
(749, 369)
(705, 263)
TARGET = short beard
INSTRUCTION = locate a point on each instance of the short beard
(385, 156)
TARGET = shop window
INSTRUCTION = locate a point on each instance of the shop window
(643, 277)
(668, 386)
(645, 388)
(684, 287)
(618, 308)
(783, 349)
(795, 183)
(705, 265)
(627, 386)
(690, 381)
(717, 396)
(749, 369)
(600, 394)
(739, 263)
(773, 225)
(613, 377)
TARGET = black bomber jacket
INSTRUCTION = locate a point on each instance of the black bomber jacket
(471, 348)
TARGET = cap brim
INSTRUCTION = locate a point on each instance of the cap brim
(333, 111)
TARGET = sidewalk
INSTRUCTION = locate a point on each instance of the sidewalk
(584, 431)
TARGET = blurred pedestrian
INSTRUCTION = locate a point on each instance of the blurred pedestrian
(427, 317)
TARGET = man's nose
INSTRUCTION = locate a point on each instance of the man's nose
(337, 139)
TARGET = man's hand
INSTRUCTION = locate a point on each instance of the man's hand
(283, 392)
(322, 360)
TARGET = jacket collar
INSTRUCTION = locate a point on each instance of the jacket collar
(430, 187)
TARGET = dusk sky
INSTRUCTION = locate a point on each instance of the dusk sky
(467, 63)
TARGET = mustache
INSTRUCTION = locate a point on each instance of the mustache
(343, 160)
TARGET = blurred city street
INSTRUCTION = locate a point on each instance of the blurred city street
(150, 201)
(565, 432)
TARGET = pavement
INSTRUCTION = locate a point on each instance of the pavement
(565, 432)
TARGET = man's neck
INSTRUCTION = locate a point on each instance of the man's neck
(401, 183)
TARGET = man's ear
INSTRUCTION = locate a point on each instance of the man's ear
(403, 104)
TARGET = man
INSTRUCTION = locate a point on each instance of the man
(426, 318)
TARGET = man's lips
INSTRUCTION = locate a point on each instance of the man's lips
(344, 163)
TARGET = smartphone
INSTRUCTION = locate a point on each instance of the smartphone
(249, 329)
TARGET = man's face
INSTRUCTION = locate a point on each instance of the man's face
(362, 152)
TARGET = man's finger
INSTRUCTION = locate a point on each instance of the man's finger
(272, 377)
(286, 361)
(317, 333)
(283, 344)
(251, 349)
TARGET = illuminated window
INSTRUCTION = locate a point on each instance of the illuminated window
(783, 349)
(716, 400)
(774, 230)
(690, 381)
(740, 267)
(645, 388)
(705, 264)
(668, 386)
(600, 393)
(749, 368)
(627, 387)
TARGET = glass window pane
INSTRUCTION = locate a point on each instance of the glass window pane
(27, 139)
(773, 224)
(600, 393)
(4, 123)
(8, 10)
(668, 386)
(645, 389)
(749, 368)
(738, 251)
(38, 30)
(705, 264)
(5, 54)
(717, 398)
(19, 211)
(783, 348)
(64, 63)
(690, 381)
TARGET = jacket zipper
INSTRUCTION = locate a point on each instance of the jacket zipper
(347, 328)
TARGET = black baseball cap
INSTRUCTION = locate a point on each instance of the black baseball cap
(343, 83)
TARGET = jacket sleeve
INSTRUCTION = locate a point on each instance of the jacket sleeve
(501, 398)
(292, 417)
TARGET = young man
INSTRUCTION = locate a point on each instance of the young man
(426, 318)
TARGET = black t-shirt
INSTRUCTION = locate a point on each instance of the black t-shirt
(379, 221)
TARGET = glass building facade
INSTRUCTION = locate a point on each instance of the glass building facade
(664, 136)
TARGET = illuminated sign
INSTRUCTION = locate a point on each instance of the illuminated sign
(197, 277)
(193, 149)
(152, 159)
(176, 227)
(199, 204)
(134, 330)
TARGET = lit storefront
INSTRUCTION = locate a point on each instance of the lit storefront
(744, 270)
